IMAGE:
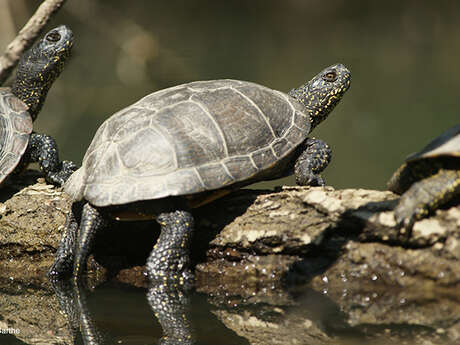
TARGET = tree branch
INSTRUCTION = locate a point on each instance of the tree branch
(27, 36)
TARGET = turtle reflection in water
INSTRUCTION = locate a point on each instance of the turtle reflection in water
(170, 305)
(19, 106)
(181, 147)
(428, 179)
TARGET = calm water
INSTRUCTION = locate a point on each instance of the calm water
(121, 314)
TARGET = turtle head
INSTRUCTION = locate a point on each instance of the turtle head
(40, 66)
(321, 94)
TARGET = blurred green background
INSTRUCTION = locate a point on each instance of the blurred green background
(403, 56)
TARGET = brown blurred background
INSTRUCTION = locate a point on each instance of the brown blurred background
(403, 56)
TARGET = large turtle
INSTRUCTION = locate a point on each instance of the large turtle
(19, 106)
(182, 146)
(428, 179)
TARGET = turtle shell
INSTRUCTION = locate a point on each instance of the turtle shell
(447, 144)
(15, 128)
(189, 139)
(428, 161)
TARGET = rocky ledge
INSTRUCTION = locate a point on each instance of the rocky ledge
(278, 253)
(291, 234)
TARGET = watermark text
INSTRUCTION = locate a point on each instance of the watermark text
(9, 331)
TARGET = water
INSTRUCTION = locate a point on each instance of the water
(115, 313)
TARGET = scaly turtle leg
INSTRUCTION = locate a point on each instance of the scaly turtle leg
(63, 265)
(425, 196)
(91, 222)
(170, 258)
(43, 149)
(75, 246)
(312, 161)
(404, 177)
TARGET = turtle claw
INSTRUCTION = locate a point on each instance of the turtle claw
(310, 180)
(405, 219)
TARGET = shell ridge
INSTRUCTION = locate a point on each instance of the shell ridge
(216, 124)
(250, 101)
(195, 170)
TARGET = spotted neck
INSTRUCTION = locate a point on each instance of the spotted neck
(31, 86)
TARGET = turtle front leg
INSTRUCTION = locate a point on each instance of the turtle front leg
(169, 260)
(314, 158)
(43, 149)
(425, 196)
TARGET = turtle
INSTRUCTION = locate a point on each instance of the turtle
(184, 146)
(428, 179)
(20, 104)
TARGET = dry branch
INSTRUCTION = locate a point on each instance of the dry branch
(27, 36)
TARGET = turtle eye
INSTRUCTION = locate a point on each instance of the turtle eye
(53, 37)
(330, 76)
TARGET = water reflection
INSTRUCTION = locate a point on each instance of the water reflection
(115, 313)
(169, 303)
(72, 298)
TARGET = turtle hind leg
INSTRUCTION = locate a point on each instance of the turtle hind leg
(63, 265)
(425, 196)
(314, 158)
(91, 222)
(169, 260)
(75, 246)
(43, 149)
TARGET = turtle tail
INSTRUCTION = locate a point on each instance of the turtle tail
(74, 184)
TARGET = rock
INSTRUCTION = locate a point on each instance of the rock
(322, 229)
(32, 214)
(261, 236)
(343, 244)
(32, 217)
(32, 315)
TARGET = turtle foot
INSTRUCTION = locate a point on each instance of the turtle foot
(313, 160)
(60, 269)
(59, 177)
